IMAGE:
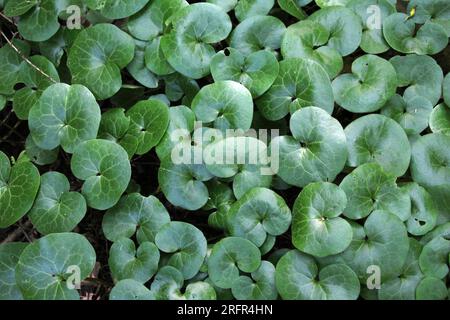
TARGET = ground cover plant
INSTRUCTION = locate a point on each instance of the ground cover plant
(115, 116)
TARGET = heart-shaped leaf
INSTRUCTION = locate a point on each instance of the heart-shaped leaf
(227, 104)
(440, 119)
(316, 152)
(229, 256)
(128, 262)
(105, 169)
(45, 266)
(56, 209)
(135, 214)
(344, 26)
(250, 8)
(405, 36)
(376, 138)
(188, 47)
(434, 259)
(149, 121)
(130, 289)
(300, 83)
(298, 278)
(382, 242)
(256, 72)
(370, 188)
(257, 33)
(371, 84)
(436, 11)
(372, 14)
(97, 56)
(186, 245)
(309, 39)
(412, 113)
(317, 228)
(9, 256)
(19, 185)
(421, 75)
(64, 115)
(40, 156)
(260, 286)
(257, 215)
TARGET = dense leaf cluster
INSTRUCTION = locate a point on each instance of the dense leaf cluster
(357, 89)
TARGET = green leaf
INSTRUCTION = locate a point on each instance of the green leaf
(105, 169)
(370, 188)
(371, 84)
(431, 289)
(317, 150)
(372, 14)
(138, 68)
(309, 40)
(244, 158)
(114, 126)
(411, 113)
(226, 5)
(404, 286)
(188, 47)
(423, 210)
(331, 3)
(186, 245)
(149, 121)
(130, 289)
(250, 8)
(344, 27)
(56, 209)
(440, 119)
(114, 9)
(260, 286)
(135, 213)
(402, 35)
(19, 7)
(97, 56)
(229, 256)
(436, 11)
(294, 7)
(317, 227)
(382, 242)
(11, 64)
(421, 75)
(169, 281)
(434, 259)
(46, 265)
(128, 262)
(377, 139)
(256, 72)
(430, 162)
(9, 256)
(298, 278)
(179, 87)
(19, 185)
(257, 33)
(300, 83)
(40, 156)
(258, 214)
(64, 115)
(227, 104)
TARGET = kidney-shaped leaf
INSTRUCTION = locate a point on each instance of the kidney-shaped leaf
(300, 83)
(64, 115)
(317, 228)
(371, 84)
(96, 57)
(316, 152)
(434, 259)
(19, 185)
(56, 209)
(299, 278)
(257, 215)
(376, 138)
(260, 286)
(47, 265)
(186, 245)
(128, 262)
(229, 256)
(105, 169)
